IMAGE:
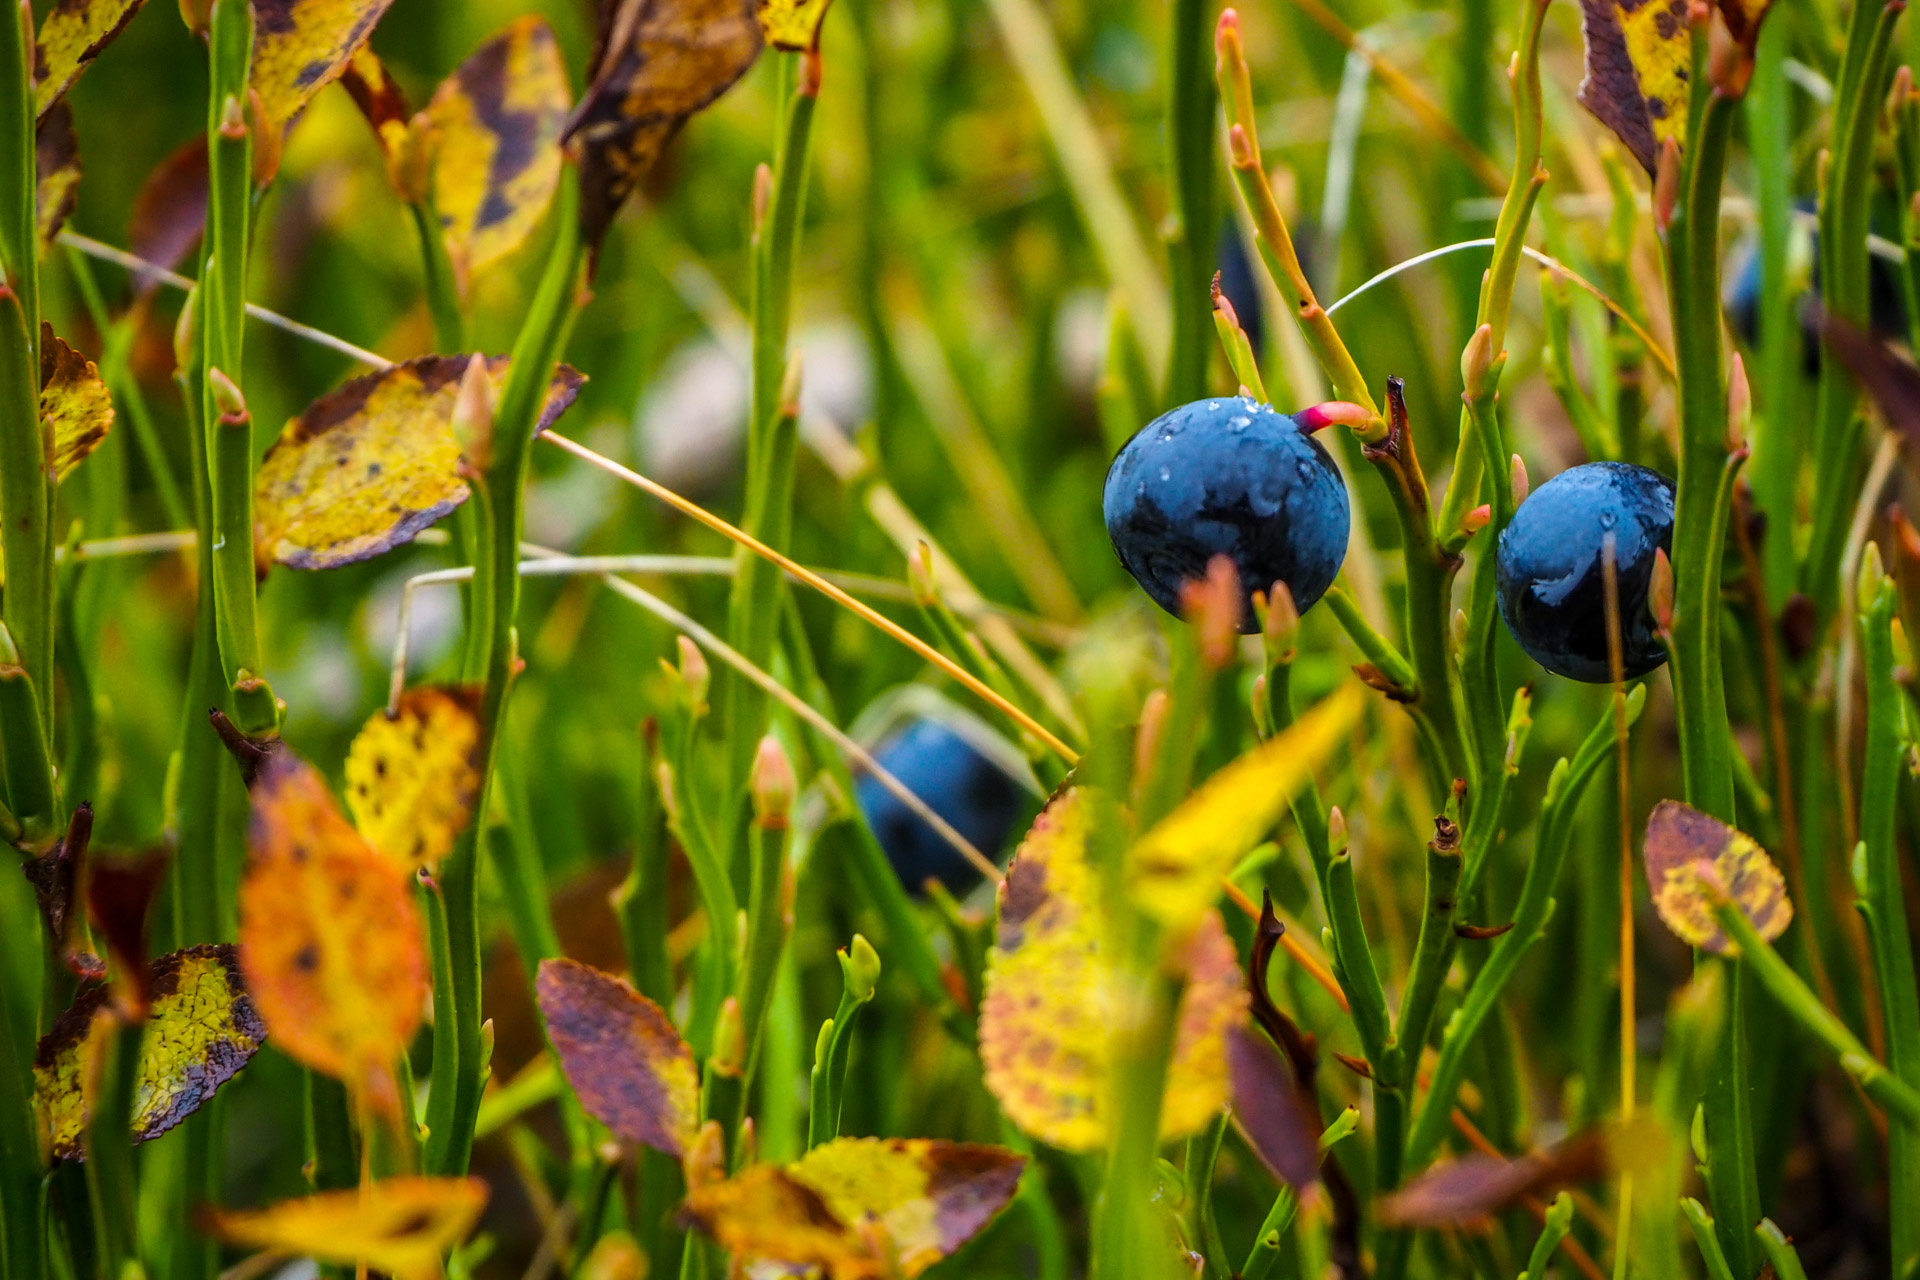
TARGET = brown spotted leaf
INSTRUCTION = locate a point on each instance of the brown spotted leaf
(792, 25)
(74, 402)
(860, 1207)
(170, 210)
(330, 937)
(75, 31)
(400, 1226)
(495, 128)
(201, 1029)
(656, 63)
(56, 168)
(369, 465)
(413, 777)
(626, 1063)
(302, 46)
(1693, 859)
(1053, 996)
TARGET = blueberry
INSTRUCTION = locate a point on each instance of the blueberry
(1886, 296)
(1552, 592)
(958, 781)
(1228, 476)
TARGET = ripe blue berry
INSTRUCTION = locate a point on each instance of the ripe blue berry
(958, 781)
(1228, 476)
(1550, 576)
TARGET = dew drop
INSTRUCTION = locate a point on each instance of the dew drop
(1213, 406)
(1606, 519)
(1240, 423)
(1166, 474)
(1305, 469)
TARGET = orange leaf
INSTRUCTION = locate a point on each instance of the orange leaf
(330, 938)
(56, 169)
(369, 465)
(861, 1207)
(627, 1064)
(301, 46)
(495, 128)
(74, 402)
(656, 63)
(413, 777)
(402, 1226)
(201, 1029)
(1053, 996)
(73, 34)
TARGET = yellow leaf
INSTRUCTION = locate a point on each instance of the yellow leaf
(379, 98)
(73, 33)
(1694, 860)
(1053, 997)
(495, 128)
(1173, 872)
(626, 1063)
(74, 403)
(56, 169)
(369, 465)
(201, 1029)
(330, 938)
(402, 1226)
(1639, 63)
(413, 777)
(860, 1207)
(792, 24)
(301, 46)
(657, 62)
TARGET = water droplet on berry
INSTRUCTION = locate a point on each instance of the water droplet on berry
(1305, 468)
(1606, 519)
(1213, 406)
(1240, 423)
(1166, 474)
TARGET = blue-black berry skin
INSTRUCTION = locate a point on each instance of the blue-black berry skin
(973, 794)
(1227, 476)
(1552, 588)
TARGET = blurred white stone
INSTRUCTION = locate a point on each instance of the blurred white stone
(1080, 338)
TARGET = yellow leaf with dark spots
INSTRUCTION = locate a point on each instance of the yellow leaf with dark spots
(792, 25)
(400, 1226)
(1639, 63)
(369, 465)
(1694, 860)
(494, 127)
(74, 32)
(202, 1028)
(860, 1207)
(56, 170)
(74, 403)
(1053, 996)
(413, 777)
(1173, 872)
(330, 937)
(656, 62)
(626, 1063)
(301, 46)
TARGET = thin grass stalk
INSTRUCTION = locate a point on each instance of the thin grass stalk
(110, 1167)
(1881, 899)
(228, 426)
(454, 1097)
(1191, 107)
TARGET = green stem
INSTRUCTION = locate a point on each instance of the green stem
(1798, 1002)
(1779, 435)
(1838, 429)
(443, 298)
(1126, 1230)
(110, 1176)
(1693, 294)
(1190, 235)
(457, 1078)
(1881, 897)
(26, 447)
(1564, 790)
(772, 435)
(228, 426)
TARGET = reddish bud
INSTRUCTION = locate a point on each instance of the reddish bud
(1660, 592)
(1666, 183)
(1326, 414)
(772, 785)
(1477, 519)
(1517, 477)
(1214, 605)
